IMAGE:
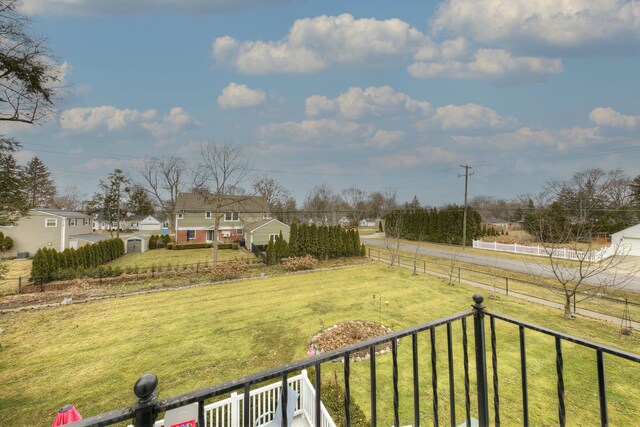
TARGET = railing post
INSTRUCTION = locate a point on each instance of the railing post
(481, 361)
(235, 410)
(144, 409)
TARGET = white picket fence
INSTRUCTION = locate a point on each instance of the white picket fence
(229, 412)
(591, 256)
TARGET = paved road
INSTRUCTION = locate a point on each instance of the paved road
(535, 269)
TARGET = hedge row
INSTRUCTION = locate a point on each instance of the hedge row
(440, 226)
(323, 241)
(47, 263)
(158, 242)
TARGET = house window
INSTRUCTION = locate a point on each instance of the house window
(72, 222)
(191, 235)
(209, 235)
(231, 216)
(274, 237)
(85, 221)
(180, 216)
(207, 215)
(266, 215)
(51, 222)
(226, 234)
(239, 232)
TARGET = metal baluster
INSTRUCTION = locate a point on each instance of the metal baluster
(396, 411)
(523, 369)
(416, 386)
(467, 399)
(285, 400)
(494, 362)
(347, 390)
(318, 399)
(602, 390)
(452, 394)
(201, 415)
(246, 406)
(434, 376)
(559, 369)
(372, 370)
(481, 361)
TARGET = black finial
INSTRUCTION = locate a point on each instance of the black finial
(65, 408)
(478, 299)
(145, 386)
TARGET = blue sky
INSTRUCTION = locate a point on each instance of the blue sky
(373, 94)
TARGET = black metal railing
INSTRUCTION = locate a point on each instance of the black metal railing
(145, 411)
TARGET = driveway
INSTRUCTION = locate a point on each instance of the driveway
(630, 266)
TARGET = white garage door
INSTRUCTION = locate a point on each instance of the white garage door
(634, 245)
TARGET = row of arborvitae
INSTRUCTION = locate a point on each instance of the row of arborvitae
(321, 242)
(49, 264)
(440, 226)
(159, 242)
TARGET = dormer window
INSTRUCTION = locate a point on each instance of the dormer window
(207, 215)
(231, 216)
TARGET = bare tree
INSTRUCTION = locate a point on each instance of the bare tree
(322, 203)
(591, 273)
(393, 237)
(28, 72)
(164, 180)
(275, 194)
(355, 200)
(69, 198)
(454, 255)
(219, 179)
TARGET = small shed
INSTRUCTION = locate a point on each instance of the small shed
(259, 233)
(136, 243)
(628, 240)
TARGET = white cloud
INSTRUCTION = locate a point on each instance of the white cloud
(240, 96)
(356, 103)
(314, 44)
(525, 137)
(112, 119)
(468, 116)
(323, 131)
(386, 138)
(609, 117)
(484, 63)
(177, 120)
(412, 159)
(534, 25)
(122, 7)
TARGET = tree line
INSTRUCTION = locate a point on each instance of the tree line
(49, 264)
(321, 242)
(433, 225)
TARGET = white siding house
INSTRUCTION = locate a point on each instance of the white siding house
(628, 240)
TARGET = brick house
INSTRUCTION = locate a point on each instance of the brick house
(195, 217)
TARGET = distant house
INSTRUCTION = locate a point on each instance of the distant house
(366, 222)
(195, 217)
(51, 228)
(144, 223)
(628, 240)
(260, 232)
(498, 224)
(344, 222)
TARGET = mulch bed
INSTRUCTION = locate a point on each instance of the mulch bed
(350, 332)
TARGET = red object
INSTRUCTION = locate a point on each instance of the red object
(67, 414)
(190, 423)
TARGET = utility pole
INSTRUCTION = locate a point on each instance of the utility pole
(464, 220)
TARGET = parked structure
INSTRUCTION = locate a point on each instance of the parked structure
(628, 240)
(136, 243)
(367, 222)
(51, 228)
(259, 233)
(195, 218)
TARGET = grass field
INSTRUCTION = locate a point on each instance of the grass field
(91, 354)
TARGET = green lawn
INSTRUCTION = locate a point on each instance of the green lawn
(91, 354)
(163, 257)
